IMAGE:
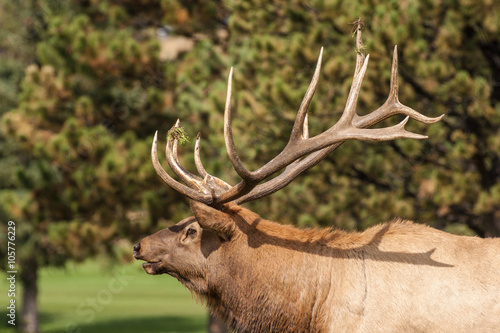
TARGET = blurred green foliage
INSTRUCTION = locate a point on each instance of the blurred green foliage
(83, 89)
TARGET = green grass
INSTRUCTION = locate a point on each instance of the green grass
(91, 298)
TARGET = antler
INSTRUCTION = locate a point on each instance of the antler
(301, 151)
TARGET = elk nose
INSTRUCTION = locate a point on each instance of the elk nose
(137, 248)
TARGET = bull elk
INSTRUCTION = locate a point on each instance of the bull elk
(261, 276)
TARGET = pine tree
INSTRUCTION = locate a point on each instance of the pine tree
(89, 104)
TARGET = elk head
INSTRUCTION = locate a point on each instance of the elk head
(183, 250)
(186, 249)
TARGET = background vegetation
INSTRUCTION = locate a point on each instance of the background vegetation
(85, 84)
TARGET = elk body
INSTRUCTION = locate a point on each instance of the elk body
(261, 276)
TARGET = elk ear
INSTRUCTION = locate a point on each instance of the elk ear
(210, 218)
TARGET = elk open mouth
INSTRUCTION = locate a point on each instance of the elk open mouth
(152, 267)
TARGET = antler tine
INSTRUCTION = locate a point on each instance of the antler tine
(381, 134)
(394, 84)
(228, 134)
(392, 106)
(181, 188)
(360, 48)
(300, 125)
(187, 177)
(197, 159)
(218, 185)
(352, 99)
(359, 73)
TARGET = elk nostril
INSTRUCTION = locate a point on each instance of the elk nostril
(137, 247)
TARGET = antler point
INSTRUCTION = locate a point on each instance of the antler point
(403, 123)
(154, 145)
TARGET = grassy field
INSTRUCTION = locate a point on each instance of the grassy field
(92, 298)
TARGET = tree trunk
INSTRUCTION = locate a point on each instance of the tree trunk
(215, 325)
(491, 225)
(29, 312)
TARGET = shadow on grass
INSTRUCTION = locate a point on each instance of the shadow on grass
(165, 324)
(4, 325)
(42, 317)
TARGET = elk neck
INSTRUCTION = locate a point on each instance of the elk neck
(271, 267)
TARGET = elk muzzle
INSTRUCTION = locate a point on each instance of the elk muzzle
(151, 266)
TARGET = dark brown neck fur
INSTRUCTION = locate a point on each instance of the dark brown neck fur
(266, 273)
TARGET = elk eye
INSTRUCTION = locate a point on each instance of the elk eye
(191, 231)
